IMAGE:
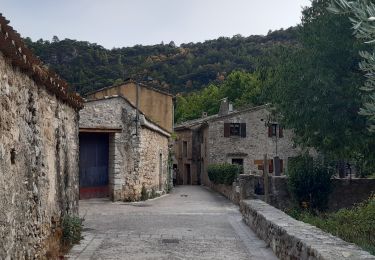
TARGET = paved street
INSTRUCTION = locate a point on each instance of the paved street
(190, 223)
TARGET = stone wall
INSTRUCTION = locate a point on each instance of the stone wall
(231, 192)
(153, 165)
(38, 166)
(134, 159)
(345, 192)
(292, 239)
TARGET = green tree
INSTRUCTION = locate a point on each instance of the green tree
(316, 87)
(362, 17)
(242, 88)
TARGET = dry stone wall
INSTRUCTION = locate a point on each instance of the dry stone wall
(38, 166)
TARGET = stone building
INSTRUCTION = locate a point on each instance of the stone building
(38, 152)
(155, 103)
(123, 153)
(237, 137)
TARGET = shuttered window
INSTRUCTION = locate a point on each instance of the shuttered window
(275, 130)
(270, 166)
(235, 129)
(226, 129)
(243, 130)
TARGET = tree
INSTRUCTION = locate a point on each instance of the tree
(362, 18)
(241, 88)
(55, 39)
(316, 87)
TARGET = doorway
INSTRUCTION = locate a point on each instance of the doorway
(93, 165)
(188, 174)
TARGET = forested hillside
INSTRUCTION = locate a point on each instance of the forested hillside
(88, 66)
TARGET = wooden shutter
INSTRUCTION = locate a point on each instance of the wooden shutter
(270, 166)
(281, 133)
(270, 131)
(226, 129)
(281, 166)
(243, 129)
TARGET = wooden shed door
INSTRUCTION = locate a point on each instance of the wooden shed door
(93, 165)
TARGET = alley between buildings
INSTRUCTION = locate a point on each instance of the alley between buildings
(192, 222)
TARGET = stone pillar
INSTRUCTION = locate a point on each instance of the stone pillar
(246, 183)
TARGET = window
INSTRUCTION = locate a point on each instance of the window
(272, 130)
(235, 129)
(184, 148)
(238, 161)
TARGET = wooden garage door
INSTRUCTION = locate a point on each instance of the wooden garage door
(93, 165)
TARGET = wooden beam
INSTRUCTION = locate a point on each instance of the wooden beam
(100, 130)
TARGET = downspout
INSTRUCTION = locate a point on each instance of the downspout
(137, 109)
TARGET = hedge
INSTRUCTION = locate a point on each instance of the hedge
(223, 173)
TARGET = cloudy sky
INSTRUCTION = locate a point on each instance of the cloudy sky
(118, 23)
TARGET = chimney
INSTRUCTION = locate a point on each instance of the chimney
(204, 114)
(230, 107)
(225, 107)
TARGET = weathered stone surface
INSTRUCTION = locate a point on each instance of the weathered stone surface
(138, 155)
(231, 192)
(345, 192)
(38, 165)
(292, 239)
(253, 146)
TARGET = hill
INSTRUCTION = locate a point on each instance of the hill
(185, 68)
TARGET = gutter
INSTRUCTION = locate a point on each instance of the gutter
(146, 123)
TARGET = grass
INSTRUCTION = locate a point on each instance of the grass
(355, 225)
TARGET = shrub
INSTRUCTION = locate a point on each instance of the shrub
(356, 225)
(223, 173)
(309, 183)
(72, 229)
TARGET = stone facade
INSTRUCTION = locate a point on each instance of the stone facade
(211, 141)
(149, 99)
(292, 239)
(138, 152)
(38, 165)
(253, 146)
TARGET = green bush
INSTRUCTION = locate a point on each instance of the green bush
(223, 173)
(309, 183)
(356, 225)
(72, 229)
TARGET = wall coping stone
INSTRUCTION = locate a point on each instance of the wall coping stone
(293, 239)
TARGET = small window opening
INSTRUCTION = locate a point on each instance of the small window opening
(13, 156)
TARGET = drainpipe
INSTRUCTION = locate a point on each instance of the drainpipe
(137, 109)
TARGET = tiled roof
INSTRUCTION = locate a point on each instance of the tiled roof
(127, 81)
(13, 47)
(196, 122)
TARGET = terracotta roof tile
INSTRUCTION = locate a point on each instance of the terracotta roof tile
(13, 47)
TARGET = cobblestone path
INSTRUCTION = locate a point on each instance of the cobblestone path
(190, 223)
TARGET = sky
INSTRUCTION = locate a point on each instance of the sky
(122, 23)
